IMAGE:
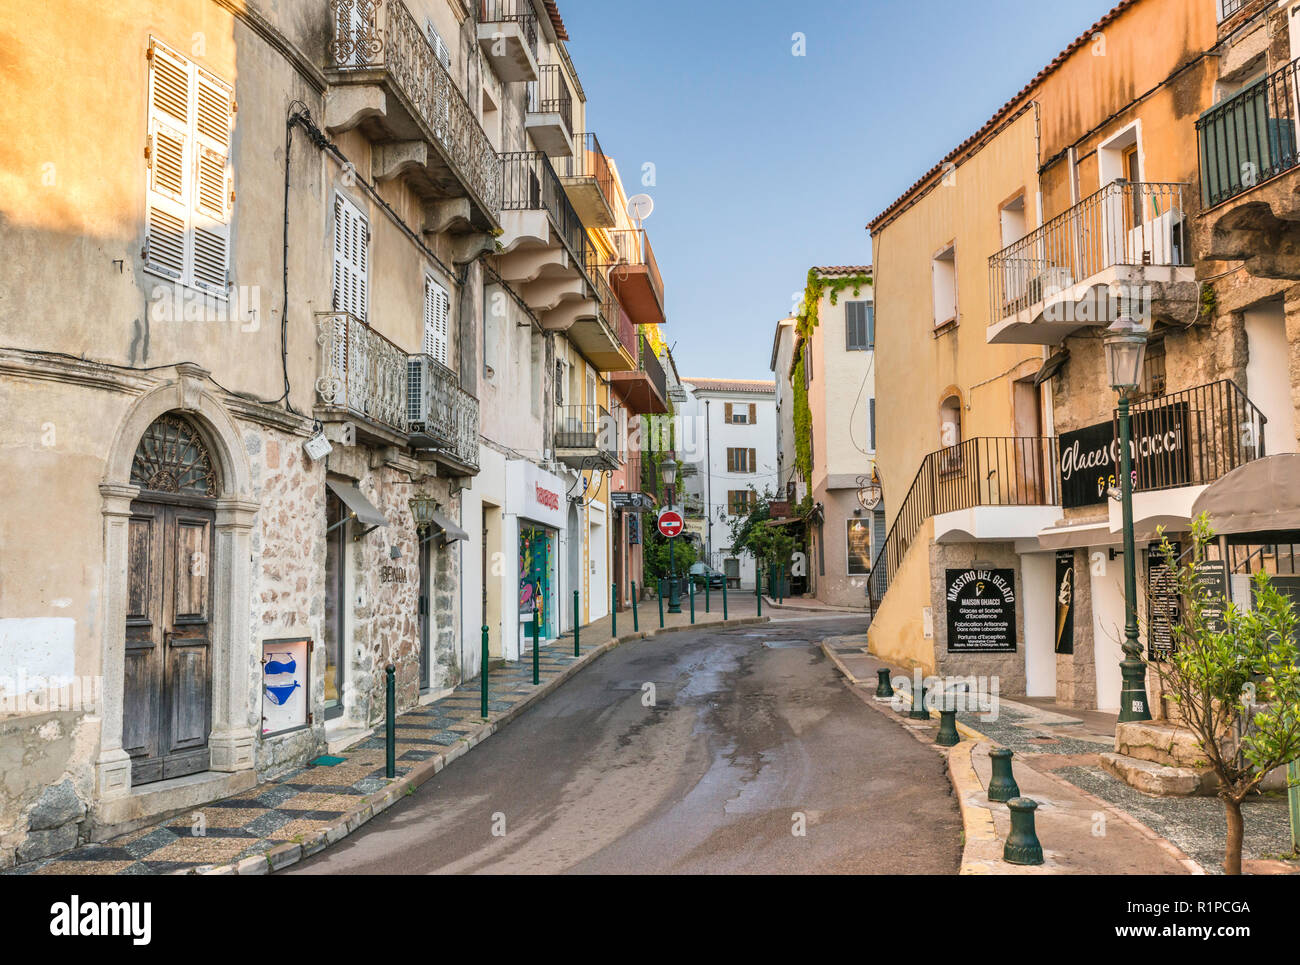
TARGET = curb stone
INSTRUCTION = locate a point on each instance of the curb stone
(283, 856)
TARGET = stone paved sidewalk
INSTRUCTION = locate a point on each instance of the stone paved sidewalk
(305, 810)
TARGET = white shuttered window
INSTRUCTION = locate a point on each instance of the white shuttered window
(351, 258)
(190, 183)
(437, 320)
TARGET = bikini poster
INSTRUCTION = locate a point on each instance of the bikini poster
(284, 684)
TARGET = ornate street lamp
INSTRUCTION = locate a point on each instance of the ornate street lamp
(869, 493)
(668, 473)
(1126, 346)
(423, 506)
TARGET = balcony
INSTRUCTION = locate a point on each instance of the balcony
(644, 389)
(1247, 146)
(635, 277)
(549, 118)
(544, 246)
(362, 378)
(986, 488)
(388, 82)
(589, 182)
(586, 437)
(1124, 248)
(601, 330)
(442, 418)
(507, 36)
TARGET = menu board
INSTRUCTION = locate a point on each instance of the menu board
(981, 611)
(1164, 605)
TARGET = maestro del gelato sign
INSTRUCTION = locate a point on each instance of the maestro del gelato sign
(981, 611)
(1090, 456)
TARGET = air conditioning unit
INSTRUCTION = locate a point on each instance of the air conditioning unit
(1053, 281)
(429, 426)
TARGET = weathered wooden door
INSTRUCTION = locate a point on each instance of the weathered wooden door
(167, 683)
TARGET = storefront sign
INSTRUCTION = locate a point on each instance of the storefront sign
(981, 611)
(1065, 601)
(1090, 456)
(634, 530)
(1164, 606)
(631, 502)
(284, 684)
(535, 494)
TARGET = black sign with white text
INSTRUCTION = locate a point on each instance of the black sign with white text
(1090, 456)
(981, 611)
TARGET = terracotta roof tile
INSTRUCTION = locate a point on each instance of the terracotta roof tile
(842, 269)
(758, 386)
(553, 11)
(1005, 110)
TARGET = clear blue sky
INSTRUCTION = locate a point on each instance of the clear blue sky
(767, 163)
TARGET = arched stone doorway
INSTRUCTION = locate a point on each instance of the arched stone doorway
(167, 663)
(209, 506)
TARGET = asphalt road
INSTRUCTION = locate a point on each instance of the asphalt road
(752, 734)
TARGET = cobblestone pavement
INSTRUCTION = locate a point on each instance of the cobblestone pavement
(308, 799)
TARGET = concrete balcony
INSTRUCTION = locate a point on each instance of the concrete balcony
(589, 182)
(387, 81)
(543, 244)
(507, 37)
(634, 277)
(1250, 178)
(601, 331)
(586, 437)
(644, 389)
(1123, 249)
(549, 117)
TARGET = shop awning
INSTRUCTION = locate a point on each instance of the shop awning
(450, 531)
(786, 521)
(361, 508)
(1076, 536)
(1260, 496)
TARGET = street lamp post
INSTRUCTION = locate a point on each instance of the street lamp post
(1126, 344)
(668, 471)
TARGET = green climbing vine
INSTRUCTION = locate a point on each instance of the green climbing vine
(802, 421)
(819, 285)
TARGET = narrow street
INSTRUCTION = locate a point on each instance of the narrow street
(750, 728)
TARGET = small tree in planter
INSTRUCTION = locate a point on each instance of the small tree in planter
(1235, 677)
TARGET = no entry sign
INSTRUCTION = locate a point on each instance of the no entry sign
(670, 522)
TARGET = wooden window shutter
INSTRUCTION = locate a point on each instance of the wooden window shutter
(213, 182)
(731, 460)
(871, 326)
(351, 258)
(753, 460)
(437, 321)
(872, 417)
(728, 412)
(753, 413)
(169, 153)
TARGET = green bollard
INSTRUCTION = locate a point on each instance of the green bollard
(1293, 803)
(706, 592)
(780, 585)
(884, 685)
(576, 607)
(390, 737)
(1022, 845)
(918, 711)
(690, 589)
(636, 621)
(613, 611)
(1002, 785)
(483, 677)
(537, 664)
(661, 602)
(724, 601)
(947, 736)
(758, 588)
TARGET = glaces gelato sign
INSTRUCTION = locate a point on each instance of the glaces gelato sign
(1090, 457)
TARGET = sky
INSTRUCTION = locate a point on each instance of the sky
(766, 163)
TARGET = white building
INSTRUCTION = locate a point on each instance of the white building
(728, 436)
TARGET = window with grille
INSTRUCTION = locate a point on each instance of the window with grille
(190, 185)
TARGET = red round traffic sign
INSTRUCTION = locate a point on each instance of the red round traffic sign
(670, 522)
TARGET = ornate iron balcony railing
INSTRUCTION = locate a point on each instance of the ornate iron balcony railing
(383, 35)
(360, 371)
(441, 412)
(1124, 224)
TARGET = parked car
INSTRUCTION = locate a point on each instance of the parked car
(701, 571)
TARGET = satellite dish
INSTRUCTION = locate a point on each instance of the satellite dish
(640, 207)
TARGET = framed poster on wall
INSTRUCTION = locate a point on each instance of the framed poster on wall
(1065, 601)
(286, 667)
